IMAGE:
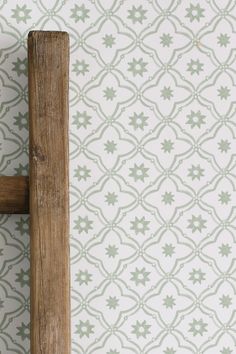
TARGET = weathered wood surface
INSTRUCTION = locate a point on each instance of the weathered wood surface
(48, 61)
(14, 195)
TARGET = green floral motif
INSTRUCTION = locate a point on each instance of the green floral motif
(166, 40)
(20, 67)
(196, 172)
(23, 331)
(167, 145)
(108, 40)
(198, 327)
(22, 170)
(21, 13)
(112, 251)
(23, 277)
(224, 197)
(113, 351)
(140, 276)
(168, 250)
(111, 198)
(224, 92)
(169, 351)
(80, 67)
(84, 328)
(195, 67)
(168, 198)
(83, 224)
(21, 120)
(79, 13)
(169, 302)
(81, 119)
(223, 39)
(166, 93)
(23, 226)
(82, 173)
(138, 172)
(226, 350)
(196, 223)
(195, 119)
(138, 121)
(109, 93)
(140, 225)
(83, 277)
(224, 249)
(110, 146)
(225, 301)
(141, 329)
(137, 14)
(137, 67)
(197, 276)
(224, 145)
(112, 302)
(195, 12)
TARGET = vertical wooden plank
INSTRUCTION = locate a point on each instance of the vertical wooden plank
(48, 59)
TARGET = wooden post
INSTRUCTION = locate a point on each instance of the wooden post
(14, 195)
(48, 60)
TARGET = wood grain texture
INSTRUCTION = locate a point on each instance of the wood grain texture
(14, 195)
(48, 61)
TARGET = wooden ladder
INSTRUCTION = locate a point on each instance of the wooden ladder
(44, 194)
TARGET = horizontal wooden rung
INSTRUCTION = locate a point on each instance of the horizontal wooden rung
(14, 195)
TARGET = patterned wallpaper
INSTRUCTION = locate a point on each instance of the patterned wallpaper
(152, 173)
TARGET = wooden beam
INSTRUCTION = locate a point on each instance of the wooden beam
(48, 63)
(14, 195)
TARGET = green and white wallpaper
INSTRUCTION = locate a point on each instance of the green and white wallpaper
(152, 173)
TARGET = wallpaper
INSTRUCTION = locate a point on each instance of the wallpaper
(152, 173)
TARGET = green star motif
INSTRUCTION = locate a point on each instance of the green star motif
(225, 301)
(83, 224)
(113, 351)
(197, 276)
(195, 67)
(139, 173)
(22, 170)
(84, 329)
(169, 302)
(21, 120)
(224, 146)
(23, 331)
(23, 277)
(226, 350)
(196, 223)
(79, 13)
(195, 13)
(108, 40)
(141, 329)
(112, 302)
(137, 67)
(169, 351)
(168, 250)
(80, 67)
(109, 93)
(111, 198)
(168, 198)
(21, 14)
(196, 172)
(195, 119)
(224, 249)
(140, 276)
(110, 146)
(112, 251)
(138, 121)
(137, 14)
(223, 39)
(166, 93)
(167, 145)
(166, 40)
(83, 277)
(81, 119)
(140, 225)
(223, 92)
(224, 197)
(22, 226)
(82, 173)
(20, 67)
(198, 327)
